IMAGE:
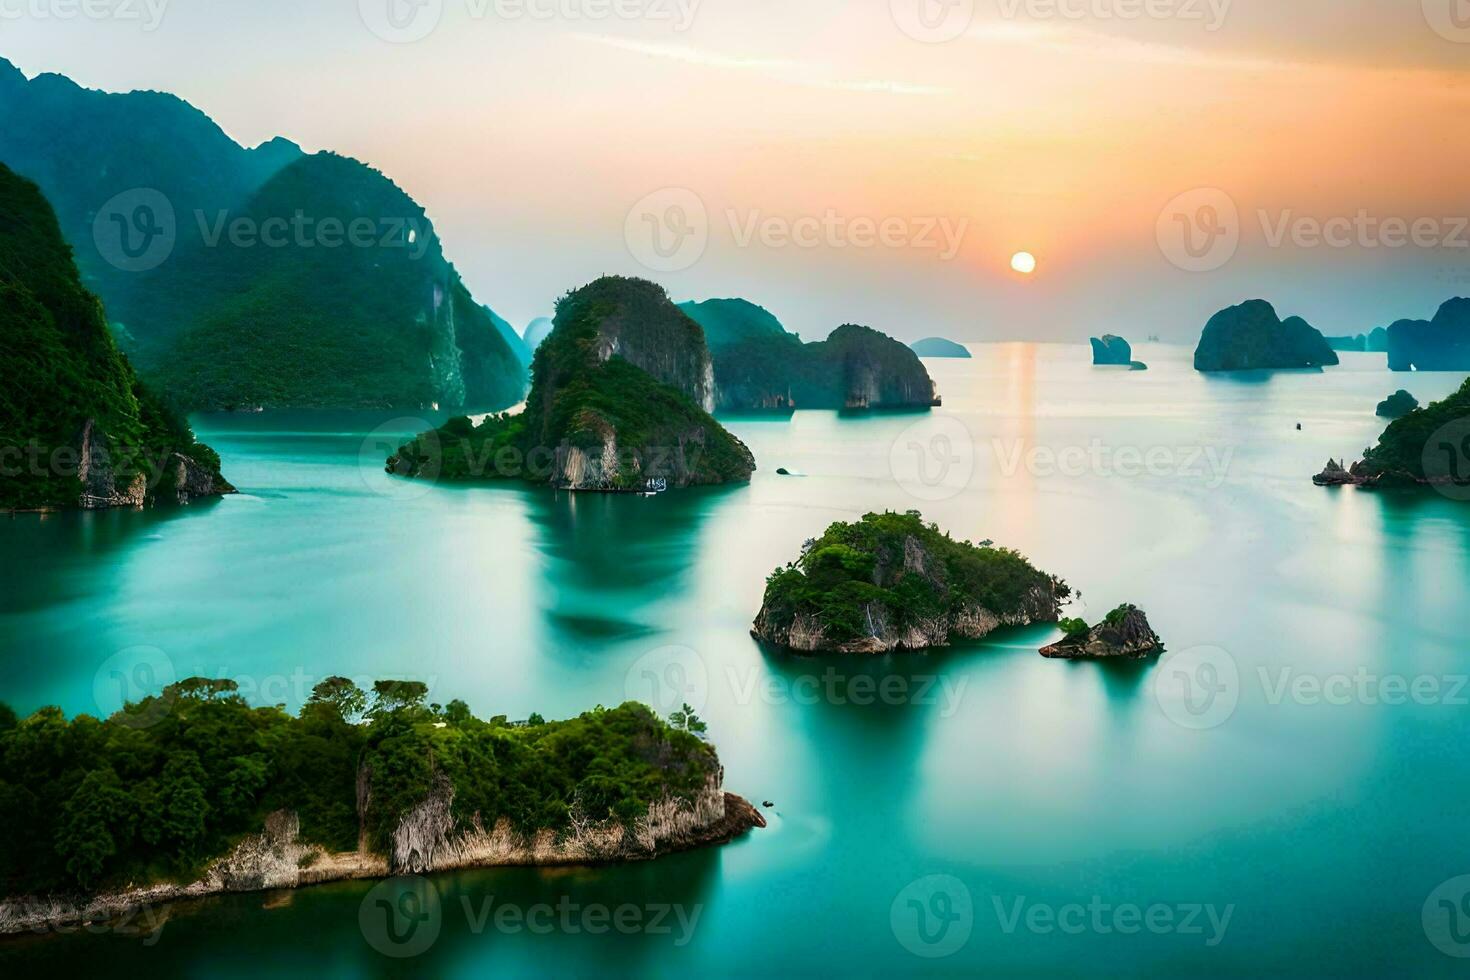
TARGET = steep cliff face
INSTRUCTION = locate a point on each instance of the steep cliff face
(618, 401)
(1111, 350)
(759, 366)
(872, 370)
(1251, 337)
(633, 319)
(890, 582)
(430, 838)
(353, 306)
(85, 147)
(77, 429)
(1441, 344)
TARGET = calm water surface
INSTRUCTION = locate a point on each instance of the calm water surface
(1319, 824)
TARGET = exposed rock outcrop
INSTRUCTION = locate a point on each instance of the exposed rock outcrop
(1111, 350)
(1124, 635)
(1397, 405)
(1251, 337)
(891, 583)
(89, 434)
(426, 840)
(430, 839)
(619, 400)
(760, 367)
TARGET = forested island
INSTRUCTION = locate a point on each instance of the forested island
(245, 278)
(892, 582)
(1425, 447)
(194, 792)
(620, 398)
(760, 367)
(1123, 634)
(77, 427)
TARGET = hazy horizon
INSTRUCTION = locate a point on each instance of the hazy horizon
(532, 140)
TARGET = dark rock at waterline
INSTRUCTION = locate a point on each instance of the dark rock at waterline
(1397, 405)
(1251, 337)
(1124, 635)
(1111, 350)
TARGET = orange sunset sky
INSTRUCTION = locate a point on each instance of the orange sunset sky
(1064, 129)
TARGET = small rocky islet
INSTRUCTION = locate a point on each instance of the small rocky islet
(1397, 405)
(1124, 634)
(893, 582)
(1111, 350)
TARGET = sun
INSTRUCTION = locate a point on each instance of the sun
(1024, 263)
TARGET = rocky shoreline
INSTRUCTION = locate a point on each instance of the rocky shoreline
(275, 858)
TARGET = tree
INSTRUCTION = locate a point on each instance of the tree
(391, 697)
(1073, 627)
(686, 720)
(97, 814)
(341, 696)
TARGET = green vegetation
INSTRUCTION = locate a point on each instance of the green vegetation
(726, 322)
(250, 307)
(1074, 628)
(62, 369)
(580, 401)
(759, 366)
(84, 147)
(874, 562)
(354, 308)
(1407, 445)
(168, 784)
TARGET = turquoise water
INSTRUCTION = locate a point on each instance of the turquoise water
(1313, 827)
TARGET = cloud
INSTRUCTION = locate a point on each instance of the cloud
(1081, 41)
(777, 69)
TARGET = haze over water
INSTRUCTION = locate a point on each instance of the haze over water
(1322, 827)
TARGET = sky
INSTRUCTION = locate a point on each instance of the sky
(864, 161)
